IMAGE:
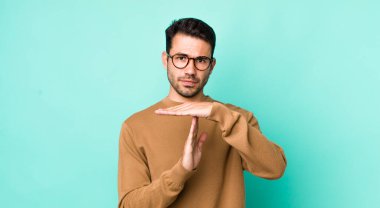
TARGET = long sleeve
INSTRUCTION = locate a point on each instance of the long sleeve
(240, 129)
(135, 187)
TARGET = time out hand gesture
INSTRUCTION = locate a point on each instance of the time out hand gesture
(192, 151)
(198, 109)
(193, 147)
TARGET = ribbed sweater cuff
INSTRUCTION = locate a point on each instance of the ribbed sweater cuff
(222, 114)
(179, 174)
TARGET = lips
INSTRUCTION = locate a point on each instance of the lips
(190, 83)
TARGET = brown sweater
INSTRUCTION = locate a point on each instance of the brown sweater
(151, 145)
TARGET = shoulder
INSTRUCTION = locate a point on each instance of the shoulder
(140, 118)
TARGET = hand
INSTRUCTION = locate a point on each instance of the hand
(198, 109)
(193, 147)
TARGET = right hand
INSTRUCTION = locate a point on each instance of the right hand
(193, 147)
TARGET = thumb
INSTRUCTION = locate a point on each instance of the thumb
(201, 140)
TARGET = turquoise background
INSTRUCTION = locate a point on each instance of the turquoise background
(72, 71)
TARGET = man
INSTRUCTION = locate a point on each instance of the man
(164, 162)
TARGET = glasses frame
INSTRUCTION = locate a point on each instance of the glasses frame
(188, 60)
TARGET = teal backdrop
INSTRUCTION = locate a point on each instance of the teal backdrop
(72, 71)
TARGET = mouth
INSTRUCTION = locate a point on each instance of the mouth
(188, 83)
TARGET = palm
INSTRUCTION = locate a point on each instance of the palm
(193, 147)
(198, 109)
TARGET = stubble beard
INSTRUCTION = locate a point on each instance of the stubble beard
(174, 82)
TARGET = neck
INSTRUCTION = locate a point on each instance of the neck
(173, 95)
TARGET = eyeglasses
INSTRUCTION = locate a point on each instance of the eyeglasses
(182, 60)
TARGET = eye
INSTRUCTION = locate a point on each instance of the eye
(202, 60)
(180, 58)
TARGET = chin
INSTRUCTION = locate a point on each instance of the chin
(189, 94)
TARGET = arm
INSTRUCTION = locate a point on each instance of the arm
(135, 187)
(260, 156)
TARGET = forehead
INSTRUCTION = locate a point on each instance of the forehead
(189, 45)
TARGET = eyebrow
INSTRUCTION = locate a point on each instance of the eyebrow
(184, 54)
(181, 54)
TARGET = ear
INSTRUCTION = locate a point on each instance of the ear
(164, 58)
(212, 65)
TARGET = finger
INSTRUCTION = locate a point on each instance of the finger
(202, 139)
(194, 126)
(193, 109)
(173, 108)
(189, 144)
(194, 132)
(195, 118)
(179, 106)
(171, 113)
(179, 110)
(194, 121)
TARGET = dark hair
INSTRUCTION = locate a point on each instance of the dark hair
(193, 27)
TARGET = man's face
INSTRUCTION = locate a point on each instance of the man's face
(188, 81)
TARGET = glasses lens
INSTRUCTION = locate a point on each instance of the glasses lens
(202, 63)
(180, 61)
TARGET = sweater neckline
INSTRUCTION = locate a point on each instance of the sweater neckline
(168, 102)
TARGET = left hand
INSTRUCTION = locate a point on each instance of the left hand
(198, 109)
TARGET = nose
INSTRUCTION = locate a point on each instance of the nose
(190, 68)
